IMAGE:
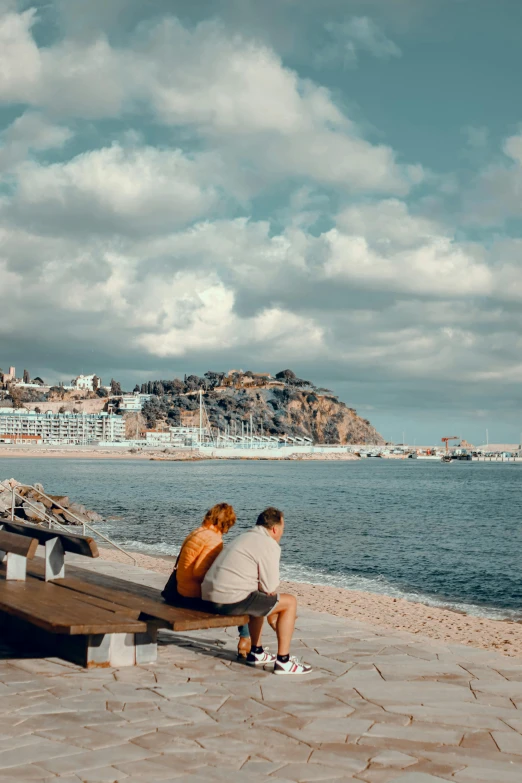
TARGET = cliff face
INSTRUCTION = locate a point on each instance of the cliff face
(299, 413)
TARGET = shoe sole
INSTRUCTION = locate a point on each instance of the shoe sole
(259, 663)
(291, 674)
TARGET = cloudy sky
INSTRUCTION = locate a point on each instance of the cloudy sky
(333, 186)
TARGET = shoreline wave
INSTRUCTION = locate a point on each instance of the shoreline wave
(379, 585)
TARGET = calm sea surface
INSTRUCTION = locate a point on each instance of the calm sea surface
(444, 534)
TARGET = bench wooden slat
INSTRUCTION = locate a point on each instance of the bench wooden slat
(58, 610)
(146, 599)
(102, 603)
(79, 545)
(18, 545)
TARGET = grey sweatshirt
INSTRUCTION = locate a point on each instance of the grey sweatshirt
(250, 563)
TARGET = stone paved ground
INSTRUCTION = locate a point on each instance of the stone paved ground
(379, 707)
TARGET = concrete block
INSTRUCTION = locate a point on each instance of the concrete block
(146, 647)
(16, 567)
(54, 560)
(122, 649)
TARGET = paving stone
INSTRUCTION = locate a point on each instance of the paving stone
(508, 742)
(476, 774)
(416, 732)
(101, 775)
(149, 769)
(96, 758)
(329, 729)
(452, 715)
(40, 750)
(384, 693)
(393, 758)
(24, 772)
(259, 766)
(344, 761)
(311, 772)
(418, 777)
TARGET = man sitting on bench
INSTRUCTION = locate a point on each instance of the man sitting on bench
(244, 579)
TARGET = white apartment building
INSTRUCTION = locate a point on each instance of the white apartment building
(156, 437)
(133, 402)
(61, 428)
(89, 382)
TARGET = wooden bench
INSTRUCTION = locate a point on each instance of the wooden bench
(15, 551)
(86, 616)
(56, 544)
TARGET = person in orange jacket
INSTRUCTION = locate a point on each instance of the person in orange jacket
(198, 552)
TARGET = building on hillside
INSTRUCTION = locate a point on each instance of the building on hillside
(8, 377)
(87, 382)
(133, 402)
(37, 386)
(61, 428)
(184, 436)
(157, 437)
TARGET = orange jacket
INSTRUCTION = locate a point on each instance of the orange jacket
(198, 552)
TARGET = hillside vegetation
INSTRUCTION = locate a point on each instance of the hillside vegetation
(294, 407)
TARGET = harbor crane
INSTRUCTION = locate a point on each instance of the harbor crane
(446, 440)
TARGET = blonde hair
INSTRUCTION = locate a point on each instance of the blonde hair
(222, 516)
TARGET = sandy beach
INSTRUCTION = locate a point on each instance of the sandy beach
(157, 455)
(92, 452)
(442, 625)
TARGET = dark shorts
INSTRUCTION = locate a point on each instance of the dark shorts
(257, 604)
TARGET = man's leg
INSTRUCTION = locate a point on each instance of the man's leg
(255, 626)
(284, 614)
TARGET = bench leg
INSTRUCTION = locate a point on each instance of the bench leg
(54, 560)
(120, 649)
(16, 570)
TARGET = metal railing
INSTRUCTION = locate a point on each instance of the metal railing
(51, 521)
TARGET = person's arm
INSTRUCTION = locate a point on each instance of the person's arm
(269, 570)
(205, 560)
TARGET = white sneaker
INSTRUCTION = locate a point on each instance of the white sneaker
(264, 658)
(292, 666)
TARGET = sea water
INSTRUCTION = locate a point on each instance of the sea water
(445, 534)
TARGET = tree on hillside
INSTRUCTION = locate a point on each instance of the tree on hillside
(39, 381)
(136, 389)
(115, 387)
(101, 392)
(153, 410)
(27, 377)
(286, 375)
(214, 378)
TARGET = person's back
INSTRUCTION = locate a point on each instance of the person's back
(250, 563)
(198, 552)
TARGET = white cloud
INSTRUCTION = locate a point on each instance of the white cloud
(116, 189)
(29, 132)
(71, 78)
(232, 92)
(20, 61)
(348, 39)
(386, 247)
(497, 192)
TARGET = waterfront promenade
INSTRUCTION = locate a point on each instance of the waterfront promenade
(380, 706)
